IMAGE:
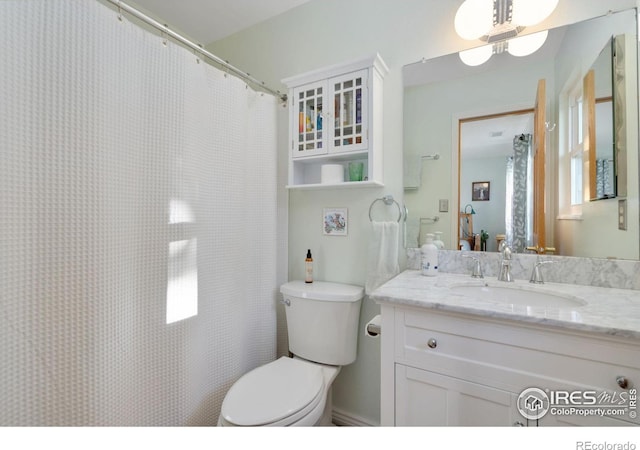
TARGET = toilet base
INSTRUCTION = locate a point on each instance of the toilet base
(330, 373)
(326, 420)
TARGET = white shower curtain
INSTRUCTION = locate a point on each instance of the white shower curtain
(132, 177)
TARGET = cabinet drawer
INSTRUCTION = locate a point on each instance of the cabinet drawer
(513, 357)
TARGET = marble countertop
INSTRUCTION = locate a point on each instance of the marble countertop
(610, 311)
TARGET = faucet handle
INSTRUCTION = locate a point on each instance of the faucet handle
(541, 250)
(536, 274)
(477, 266)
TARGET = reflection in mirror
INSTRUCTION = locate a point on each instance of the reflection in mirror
(598, 116)
(621, 77)
(442, 92)
(498, 148)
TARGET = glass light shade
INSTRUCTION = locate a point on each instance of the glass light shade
(474, 19)
(525, 45)
(531, 12)
(476, 56)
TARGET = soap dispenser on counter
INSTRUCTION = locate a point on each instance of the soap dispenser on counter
(429, 257)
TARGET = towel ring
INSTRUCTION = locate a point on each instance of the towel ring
(387, 200)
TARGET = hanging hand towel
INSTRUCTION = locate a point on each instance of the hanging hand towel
(382, 262)
(412, 173)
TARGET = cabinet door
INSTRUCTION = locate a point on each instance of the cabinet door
(350, 112)
(426, 398)
(307, 121)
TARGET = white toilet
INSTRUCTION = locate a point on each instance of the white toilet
(322, 322)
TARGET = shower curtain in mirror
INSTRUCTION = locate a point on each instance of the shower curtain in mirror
(138, 199)
(519, 194)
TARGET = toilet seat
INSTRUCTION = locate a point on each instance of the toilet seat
(278, 394)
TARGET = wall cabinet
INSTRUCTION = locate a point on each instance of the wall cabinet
(335, 117)
(442, 368)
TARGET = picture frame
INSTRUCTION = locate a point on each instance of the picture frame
(335, 221)
(480, 191)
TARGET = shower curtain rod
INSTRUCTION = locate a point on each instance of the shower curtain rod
(178, 37)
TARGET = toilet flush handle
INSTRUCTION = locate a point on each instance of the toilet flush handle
(286, 302)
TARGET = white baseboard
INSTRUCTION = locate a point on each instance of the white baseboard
(346, 419)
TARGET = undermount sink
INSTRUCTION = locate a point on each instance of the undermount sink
(517, 296)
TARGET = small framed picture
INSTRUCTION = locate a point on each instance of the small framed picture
(334, 221)
(480, 191)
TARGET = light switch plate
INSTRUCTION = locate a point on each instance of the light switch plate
(622, 214)
(443, 205)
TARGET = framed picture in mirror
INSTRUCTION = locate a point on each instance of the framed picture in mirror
(480, 191)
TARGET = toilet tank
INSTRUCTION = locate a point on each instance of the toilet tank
(322, 320)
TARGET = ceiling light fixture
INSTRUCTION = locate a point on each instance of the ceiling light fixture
(498, 23)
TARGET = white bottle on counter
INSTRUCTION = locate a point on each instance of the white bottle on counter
(429, 257)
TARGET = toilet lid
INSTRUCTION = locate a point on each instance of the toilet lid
(272, 392)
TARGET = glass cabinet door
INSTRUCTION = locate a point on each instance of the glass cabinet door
(308, 126)
(349, 112)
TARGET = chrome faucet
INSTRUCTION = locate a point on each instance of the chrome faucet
(477, 266)
(505, 265)
(536, 274)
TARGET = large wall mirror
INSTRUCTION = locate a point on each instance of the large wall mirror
(553, 137)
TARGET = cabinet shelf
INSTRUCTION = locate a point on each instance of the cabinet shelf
(333, 157)
(346, 184)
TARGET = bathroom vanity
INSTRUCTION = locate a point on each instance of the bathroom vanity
(463, 351)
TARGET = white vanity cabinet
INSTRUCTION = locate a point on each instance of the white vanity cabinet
(444, 368)
(335, 117)
(426, 398)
